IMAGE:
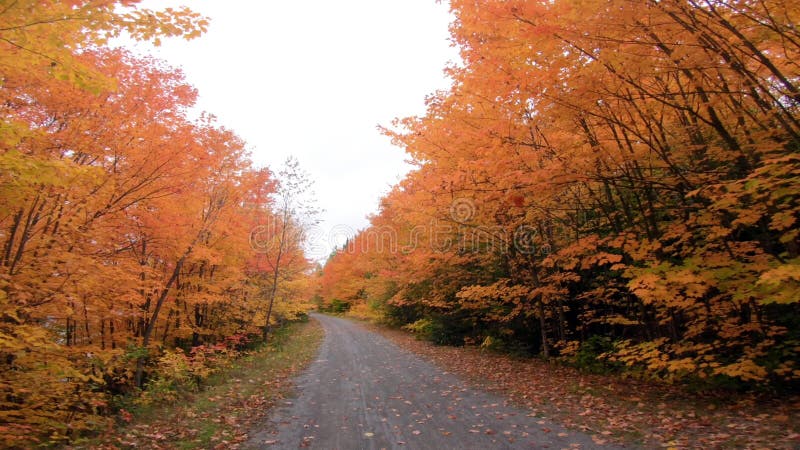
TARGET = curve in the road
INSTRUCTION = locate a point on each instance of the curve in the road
(364, 392)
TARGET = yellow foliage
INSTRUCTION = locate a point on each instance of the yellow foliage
(744, 369)
(781, 283)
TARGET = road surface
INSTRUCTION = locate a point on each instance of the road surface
(364, 392)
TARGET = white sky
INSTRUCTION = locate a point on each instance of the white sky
(313, 79)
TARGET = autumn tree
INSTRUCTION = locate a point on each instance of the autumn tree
(124, 223)
(281, 237)
(629, 172)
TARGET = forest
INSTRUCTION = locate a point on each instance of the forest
(138, 246)
(613, 184)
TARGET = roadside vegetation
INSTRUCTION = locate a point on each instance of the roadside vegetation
(611, 183)
(229, 404)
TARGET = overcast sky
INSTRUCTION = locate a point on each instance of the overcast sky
(313, 79)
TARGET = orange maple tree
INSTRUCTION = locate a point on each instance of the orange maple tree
(125, 225)
(613, 179)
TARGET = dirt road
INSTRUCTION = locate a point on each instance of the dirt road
(364, 392)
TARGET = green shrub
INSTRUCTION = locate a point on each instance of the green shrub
(172, 376)
(339, 306)
(588, 356)
(439, 330)
(422, 328)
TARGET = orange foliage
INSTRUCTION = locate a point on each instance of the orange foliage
(124, 226)
(617, 169)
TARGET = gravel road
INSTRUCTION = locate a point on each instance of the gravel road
(364, 392)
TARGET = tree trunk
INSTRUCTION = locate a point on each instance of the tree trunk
(151, 323)
(543, 327)
(275, 274)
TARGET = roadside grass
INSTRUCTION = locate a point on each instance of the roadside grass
(232, 403)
